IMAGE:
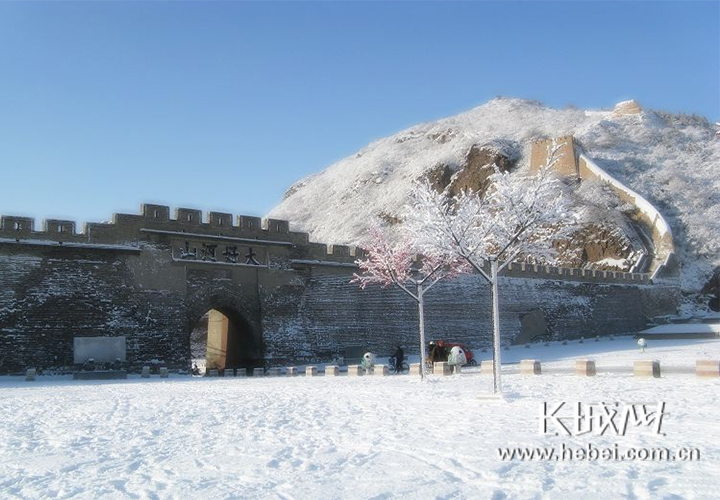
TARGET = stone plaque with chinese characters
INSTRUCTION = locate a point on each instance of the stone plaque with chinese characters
(219, 252)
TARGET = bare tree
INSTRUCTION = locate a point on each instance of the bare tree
(518, 217)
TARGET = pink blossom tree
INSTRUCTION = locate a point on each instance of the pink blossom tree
(519, 217)
(388, 264)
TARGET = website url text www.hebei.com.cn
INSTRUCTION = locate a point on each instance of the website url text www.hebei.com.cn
(591, 453)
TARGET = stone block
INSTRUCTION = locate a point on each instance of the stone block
(709, 368)
(291, 371)
(381, 370)
(486, 367)
(530, 367)
(229, 372)
(414, 368)
(332, 371)
(585, 368)
(355, 371)
(442, 368)
(212, 373)
(164, 373)
(242, 372)
(273, 372)
(370, 370)
(259, 372)
(145, 372)
(101, 375)
(646, 368)
(30, 374)
(311, 371)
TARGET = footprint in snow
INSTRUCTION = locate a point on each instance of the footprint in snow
(499, 495)
(656, 483)
(501, 471)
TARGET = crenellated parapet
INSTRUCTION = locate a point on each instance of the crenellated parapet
(217, 231)
(223, 239)
(524, 270)
(151, 216)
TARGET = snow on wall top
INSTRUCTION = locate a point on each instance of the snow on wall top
(670, 159)
(641, 203)
(662, 234)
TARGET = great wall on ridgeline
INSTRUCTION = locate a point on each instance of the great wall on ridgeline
(150, 277)
(658, 253)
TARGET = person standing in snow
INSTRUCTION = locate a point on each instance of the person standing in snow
(432, 352)
(437, 352)
(399, 358)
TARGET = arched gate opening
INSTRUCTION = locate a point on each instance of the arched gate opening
(222, 339)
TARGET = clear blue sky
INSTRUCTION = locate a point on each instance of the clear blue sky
(223, 105)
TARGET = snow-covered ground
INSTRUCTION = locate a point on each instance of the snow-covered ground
(367, 437)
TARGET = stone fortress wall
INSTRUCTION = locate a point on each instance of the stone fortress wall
(151, 277)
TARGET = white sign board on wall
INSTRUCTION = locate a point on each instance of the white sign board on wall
(101, 349)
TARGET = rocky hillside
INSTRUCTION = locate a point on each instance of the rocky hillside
(670, 159)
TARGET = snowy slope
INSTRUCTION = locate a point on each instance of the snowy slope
(355, 438)
(669, 159)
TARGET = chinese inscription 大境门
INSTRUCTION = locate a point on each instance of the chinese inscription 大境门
(211, 252)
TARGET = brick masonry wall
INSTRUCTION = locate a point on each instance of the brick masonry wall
(330, 314)
(51, 295)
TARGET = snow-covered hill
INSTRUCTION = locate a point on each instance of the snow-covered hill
(672, 160)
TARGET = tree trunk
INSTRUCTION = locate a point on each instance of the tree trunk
(497, 389)
(421, 317)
